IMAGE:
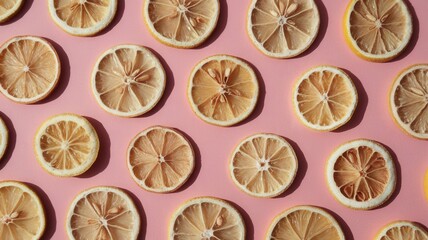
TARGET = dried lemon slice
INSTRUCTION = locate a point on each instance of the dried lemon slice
(29, 69)
(408, 100)
(377, 30)
(206, 218)
(8, 9)
(4, 137)
(282, 28)
(21, 212)
(361, 174)
(263, 165)
(222, 90)
(304, 222)
(103, 213)
(160, 159)
(66, 145)
(324, 98)
(181, 23)
(128, 80)
(401, 230)
(82, 17)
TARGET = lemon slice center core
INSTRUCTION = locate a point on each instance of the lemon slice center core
(207, 234)
(263, 165)
(161, 159)
(181, 8)
(26, 68)
(65, 145)
(8, 218)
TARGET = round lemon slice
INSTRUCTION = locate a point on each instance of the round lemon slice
(66, 145)
(206, 218)
(4, 137)
(128, 80)
(103, 213)
(29, 69)
(361, 174)
(324, 98)
(282, 28)
(181, 23)
(82, 17)
(222, 90)
(263, 165)
(160, 159)
(377, 30)
(304, 222)
(408, 100)
(401, 230)
(21, 212)
(9, 8)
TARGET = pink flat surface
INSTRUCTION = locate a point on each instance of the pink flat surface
(213, 145)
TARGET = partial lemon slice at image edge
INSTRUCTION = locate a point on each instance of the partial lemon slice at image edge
(282, 28)
(408, 100)
(263, 165)
(181, 24)
(377, 30)
(29, 69)
(222, 90)
(160, 159)
(82, 17)
(361, 174)
(324, 98)
(9, 8)
(206, 218)
(128, 80)
(401, 230)
(103, 212)
(21, 212)
(66, 145)
(4, 138)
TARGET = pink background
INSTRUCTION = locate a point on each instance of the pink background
(213, 145)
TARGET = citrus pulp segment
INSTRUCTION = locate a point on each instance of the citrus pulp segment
(128, 80)
(103, 213)
(324, 98)
(222, 90)
(8, 9)
(160, 159)
(206, 218)
(66, 145)
(181, 23)
(402, 230)
(29, 69)
(263, 165)
(4, 138)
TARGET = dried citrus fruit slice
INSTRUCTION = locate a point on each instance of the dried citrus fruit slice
(263, 165)
(361, 174)
(8, 9)
(222, 90)
(103, 213)
(325, 98)
(377, 30)
(181, 23)
(408, 100)
(21, 212)
(402, 230)
(128, 80)
(66, 145)
(206, 218)
(282, 28)
(82, 17)
(304, 222)
(4, 137)
(160, 159)
(29, 69)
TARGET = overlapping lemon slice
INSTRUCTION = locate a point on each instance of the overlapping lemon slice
(4, 138)
(402, 230)
(8, 9)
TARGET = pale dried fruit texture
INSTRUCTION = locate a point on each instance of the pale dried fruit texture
(378, 30)
(361, 174)
(103, 213)
(223, 90)
(4, 138)
(325, 98)
(181, 23)
(66, 145)
(8, 8)
(263, 165)
(160, 159)
(29, 69)
(82, 17)
(206, 218)
(304, 222)
(21, 212)
(409, 101)
(128, 80)
(283, 28)
(402, 230)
